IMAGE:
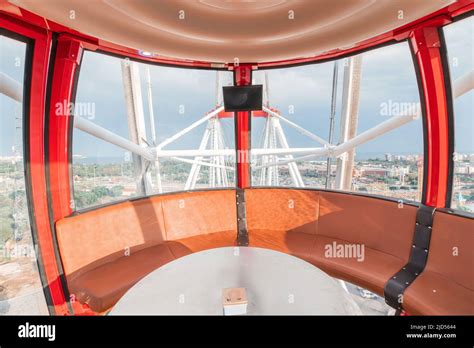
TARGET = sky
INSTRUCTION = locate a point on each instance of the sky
(12, 59)
(387, 76)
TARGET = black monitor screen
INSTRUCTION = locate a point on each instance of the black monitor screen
(242, 98)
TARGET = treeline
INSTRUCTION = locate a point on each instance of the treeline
(83, 199)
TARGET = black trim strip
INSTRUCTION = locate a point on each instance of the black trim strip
(71, 133)
(242, 231)
(456, 212)
(396, 286)
(460, 17)
(450, 110)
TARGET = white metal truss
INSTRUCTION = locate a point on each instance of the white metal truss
(11, 88)
(152, 153)
(267, 167)
(136, 122)
(349, 120)
(213, 153)
(151, 116)
(332, 120)
(274, 137)
(217, 164)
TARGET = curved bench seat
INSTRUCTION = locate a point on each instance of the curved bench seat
(371, 273)
(309, 224)
(434, 294)
(94, 287)
(446, 286)
(106, 251)
(297, 244)
(101, 287)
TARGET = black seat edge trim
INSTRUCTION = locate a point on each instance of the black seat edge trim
(242, 232)
(400, 281)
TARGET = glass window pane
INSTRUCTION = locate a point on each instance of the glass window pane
(21, 292)
(459, 38)
(370, 89)
(390, 164)
(162, 109)
(102, 172)
(301, 97)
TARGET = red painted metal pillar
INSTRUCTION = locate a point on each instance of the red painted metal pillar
(38, 177)
(67, 60)
(35, 160)
(426, 45)
(243, 77)
(68, 57)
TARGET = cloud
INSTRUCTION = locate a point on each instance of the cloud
(387, 74)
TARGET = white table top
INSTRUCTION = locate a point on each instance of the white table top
(276, 283)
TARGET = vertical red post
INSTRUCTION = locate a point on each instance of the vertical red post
(243, 77)
(426, 45)
(38, 176)
(61, 107)
(68, 57)
(35, 160)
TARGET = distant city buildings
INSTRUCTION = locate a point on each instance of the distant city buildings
(392, 175)
(11, 159)
(463, 169)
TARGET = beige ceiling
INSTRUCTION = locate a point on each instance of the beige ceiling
(222, 30)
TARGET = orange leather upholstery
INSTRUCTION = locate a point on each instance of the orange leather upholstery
(446, 286)
(104, 285)
(308, 223)
(282, 220)
(282, 210)
(383, 230)
(105, 234)
(105, 251)
(197, 213)
(370, 271)
(378, 224)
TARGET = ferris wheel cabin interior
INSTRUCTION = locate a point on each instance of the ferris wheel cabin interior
(134, 134)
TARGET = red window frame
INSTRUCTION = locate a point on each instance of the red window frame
(422, 34)
(40, 41)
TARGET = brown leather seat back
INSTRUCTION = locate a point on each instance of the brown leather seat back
(452, 248)
(201, 212)
(379, 224)
(282, 210)
(95, 237)
(107, 233)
